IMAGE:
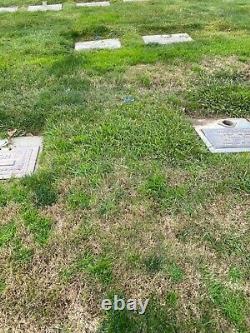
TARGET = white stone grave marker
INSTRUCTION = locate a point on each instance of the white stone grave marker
(93, 4)
(8, 9)
(225, 135)
(167, 39)
(20, 158)
(98, 44)
(134, 0)
(45, 7)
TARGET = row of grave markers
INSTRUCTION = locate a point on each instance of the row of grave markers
(116, 44)
(57, 7)
(18, 158)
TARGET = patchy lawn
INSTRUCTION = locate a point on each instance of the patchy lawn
(127, 200)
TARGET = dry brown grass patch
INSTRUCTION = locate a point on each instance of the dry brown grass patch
(165, 78)
(232, 64)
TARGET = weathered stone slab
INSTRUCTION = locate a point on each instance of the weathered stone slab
(167, 39)
(93, 4)
(98, 44)
(225, 136)
(8, 9)
(45, 7)
(20, 158)
(134, 0)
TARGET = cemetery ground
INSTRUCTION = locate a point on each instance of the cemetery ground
(127, 200)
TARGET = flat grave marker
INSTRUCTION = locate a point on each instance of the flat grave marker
(45, 7)
(20, 158)
(225, 135)
(98, 44)
(93, 4)
(166, 39)
(134, 0)
(8, 9)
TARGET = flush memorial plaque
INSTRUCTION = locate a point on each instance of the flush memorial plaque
(20, 158)
(93, 4)
(166, 39)
(225, 136)
(45, 7)
(134, 0)
(8, 9)
(98, 44)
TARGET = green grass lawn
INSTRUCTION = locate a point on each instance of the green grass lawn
(127, 199)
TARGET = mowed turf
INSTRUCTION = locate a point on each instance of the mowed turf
(127, 200)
